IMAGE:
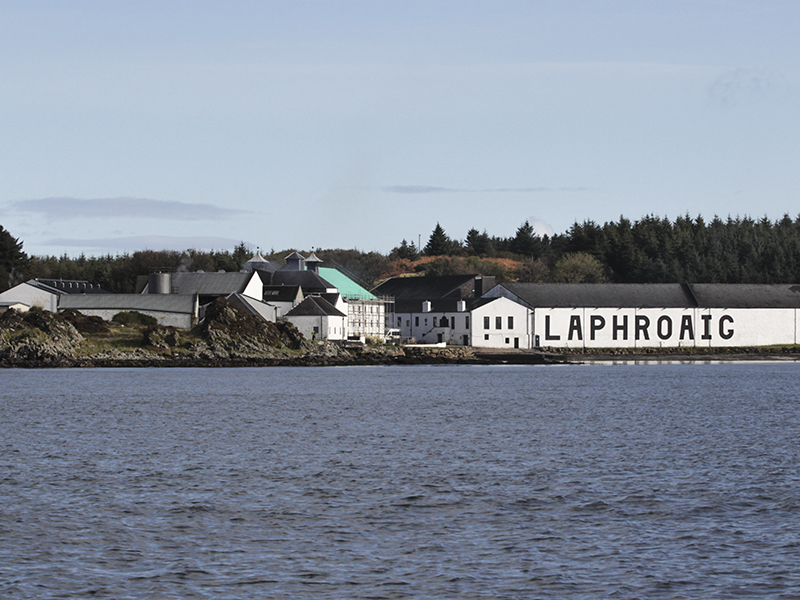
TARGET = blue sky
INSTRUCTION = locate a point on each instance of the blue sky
(357, 123)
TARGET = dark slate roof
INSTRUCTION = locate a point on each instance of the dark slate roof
(308, 280)
(282, 293)
(655, 295)
(424, 288)
(314, 306)
(68, 286)
(438, 305)
(156, 302)
(735, 295)
(209, 284)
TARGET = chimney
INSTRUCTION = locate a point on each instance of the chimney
(426, 306)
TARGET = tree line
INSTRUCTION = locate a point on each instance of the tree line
(649, 250)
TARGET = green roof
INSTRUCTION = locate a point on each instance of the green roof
(346, 286)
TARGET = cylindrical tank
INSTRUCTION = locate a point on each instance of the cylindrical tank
(159, 283)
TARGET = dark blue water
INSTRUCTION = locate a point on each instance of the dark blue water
(401, 482)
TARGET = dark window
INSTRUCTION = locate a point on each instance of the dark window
(416, 321)
(486, 335)
(508, 341)
(434, 321)
(498, 322)
(466, 325)
(486, 323)
(511, 322)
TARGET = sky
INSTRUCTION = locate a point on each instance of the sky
(311, 124)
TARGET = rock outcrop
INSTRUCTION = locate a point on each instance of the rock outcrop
(37, 336)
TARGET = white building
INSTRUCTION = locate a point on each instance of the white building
(318, 319)
(658, 315)
(482, 322)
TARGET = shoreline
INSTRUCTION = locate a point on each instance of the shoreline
(388, 356)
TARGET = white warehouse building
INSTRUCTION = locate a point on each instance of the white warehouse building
(658, 315)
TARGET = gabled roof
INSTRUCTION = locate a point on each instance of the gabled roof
(314, 306)
(427, 288)
(209, 284)
(653, 295)
(348, 288)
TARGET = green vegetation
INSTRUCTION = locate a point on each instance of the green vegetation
(650, 250)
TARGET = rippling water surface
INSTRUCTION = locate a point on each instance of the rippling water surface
(401, 482)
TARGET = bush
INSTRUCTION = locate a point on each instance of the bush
(133, 318)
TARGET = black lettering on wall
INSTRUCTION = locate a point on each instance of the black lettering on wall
(664, 332)
(616, 327)
(687, 327)
(706, 327)
(575, 327)
(725, 334)
(642, 324)
(596, 323)
(547, 334)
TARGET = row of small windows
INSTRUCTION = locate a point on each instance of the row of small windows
(451, 322)
(498, 322)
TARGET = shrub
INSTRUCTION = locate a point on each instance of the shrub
(133, 318)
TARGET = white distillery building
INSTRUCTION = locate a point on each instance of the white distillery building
(482, 322)
(658, 315)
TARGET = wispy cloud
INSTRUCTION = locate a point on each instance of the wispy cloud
(432, 189)
(140, 208)
(745, 85)
(145, 242)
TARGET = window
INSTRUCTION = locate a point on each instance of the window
(486, 335)
(466, 322)
(486, 323)
(434, 321)
(498, 322)
(399, 321)
(452, 322)
(508, 341)
(511, 322)
(416, 321)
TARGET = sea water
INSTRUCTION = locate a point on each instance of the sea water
(670, 481)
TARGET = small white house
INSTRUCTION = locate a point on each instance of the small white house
(318, 319)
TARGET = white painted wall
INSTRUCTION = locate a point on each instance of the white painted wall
(30, 296)
(254, 288)
(426, 327)
(504, 337)
(330, 327)
(666, 327)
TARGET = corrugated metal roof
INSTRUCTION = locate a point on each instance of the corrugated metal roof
(346, 286)
(157, 302)
(655, 295)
